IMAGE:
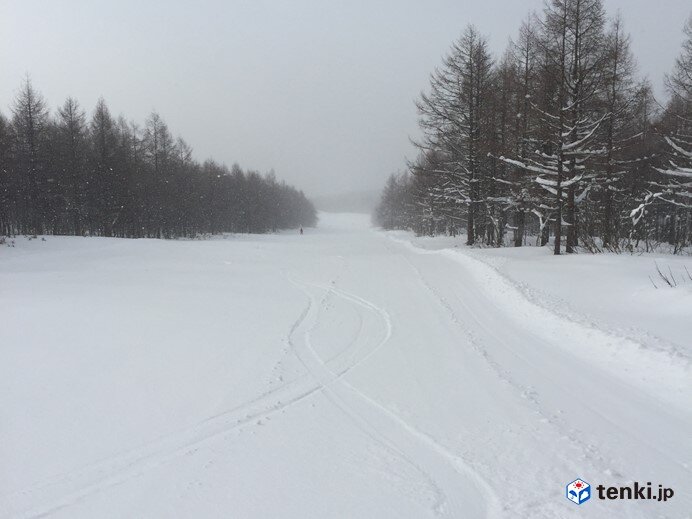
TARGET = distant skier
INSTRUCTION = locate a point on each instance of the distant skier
(301, 229)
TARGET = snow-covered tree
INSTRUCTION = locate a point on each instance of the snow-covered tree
(672, 185)
(571, 44)
(30, 123)
(451, 117)
(72, 157)
(523, 198)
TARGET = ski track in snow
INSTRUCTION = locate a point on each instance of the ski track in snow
(70, 488)
(447, 485)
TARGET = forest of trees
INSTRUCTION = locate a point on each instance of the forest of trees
(66, 174)
(558, 141)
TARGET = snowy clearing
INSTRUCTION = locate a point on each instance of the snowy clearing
(344, 373)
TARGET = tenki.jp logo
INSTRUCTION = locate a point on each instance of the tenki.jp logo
(579, 491)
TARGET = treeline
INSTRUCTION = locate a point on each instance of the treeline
(556, 140)
(65, 174)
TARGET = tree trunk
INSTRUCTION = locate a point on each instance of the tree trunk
(519, 221)
(571, 241)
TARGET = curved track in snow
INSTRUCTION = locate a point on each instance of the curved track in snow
(458, 488)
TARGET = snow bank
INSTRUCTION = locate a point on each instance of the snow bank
(601, 308)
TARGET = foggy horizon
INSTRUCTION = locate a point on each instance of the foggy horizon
(323, 94)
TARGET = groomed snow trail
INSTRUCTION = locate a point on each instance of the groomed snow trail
(341, 373)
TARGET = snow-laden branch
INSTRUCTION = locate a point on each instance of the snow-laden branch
(565, 183)
(586, 138)
(527, 167)
(678, 148)
(680, 172)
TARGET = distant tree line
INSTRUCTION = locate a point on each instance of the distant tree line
(557, 140)
(66, 174)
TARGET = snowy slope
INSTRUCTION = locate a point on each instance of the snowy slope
(343, 373)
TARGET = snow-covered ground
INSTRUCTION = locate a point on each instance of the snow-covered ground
(344, 373)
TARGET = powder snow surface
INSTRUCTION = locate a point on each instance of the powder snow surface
(344, 373)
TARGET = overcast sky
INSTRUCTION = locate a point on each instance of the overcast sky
(320, 90)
